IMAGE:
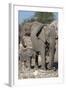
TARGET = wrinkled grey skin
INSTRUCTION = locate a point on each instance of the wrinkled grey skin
(37, 44)
(48, 34)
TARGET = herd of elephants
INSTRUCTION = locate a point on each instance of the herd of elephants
(44, 38)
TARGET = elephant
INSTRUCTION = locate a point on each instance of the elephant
(43, 39)
(40, 35)
(21, 34)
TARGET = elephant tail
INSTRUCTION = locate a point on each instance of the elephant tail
(38, 33)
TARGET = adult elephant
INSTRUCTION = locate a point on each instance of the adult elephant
(52, 38)
(40, 35)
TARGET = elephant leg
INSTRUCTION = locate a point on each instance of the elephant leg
(32, 61)
(28, 62)
(43, 58)
(51, 55)
(36, 59)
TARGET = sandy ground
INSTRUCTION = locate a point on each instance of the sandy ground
(26, 72)
(35, 73)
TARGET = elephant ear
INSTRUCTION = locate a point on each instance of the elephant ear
(36, 26)
(40, 30)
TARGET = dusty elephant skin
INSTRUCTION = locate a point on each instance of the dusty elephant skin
(48, 33)
(38, 47)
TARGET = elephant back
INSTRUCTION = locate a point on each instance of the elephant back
(45, 33)
(34, 30)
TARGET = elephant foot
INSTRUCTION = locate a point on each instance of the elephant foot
(36, 66)
(49, 67)
(54, 68)
(39, 66)
(32, 67)
(42, 67)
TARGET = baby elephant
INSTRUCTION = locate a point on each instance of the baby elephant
(26, 58)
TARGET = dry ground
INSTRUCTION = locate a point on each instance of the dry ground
(36, 73)
(27, 72)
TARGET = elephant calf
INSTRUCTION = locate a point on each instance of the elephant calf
(26, 58)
